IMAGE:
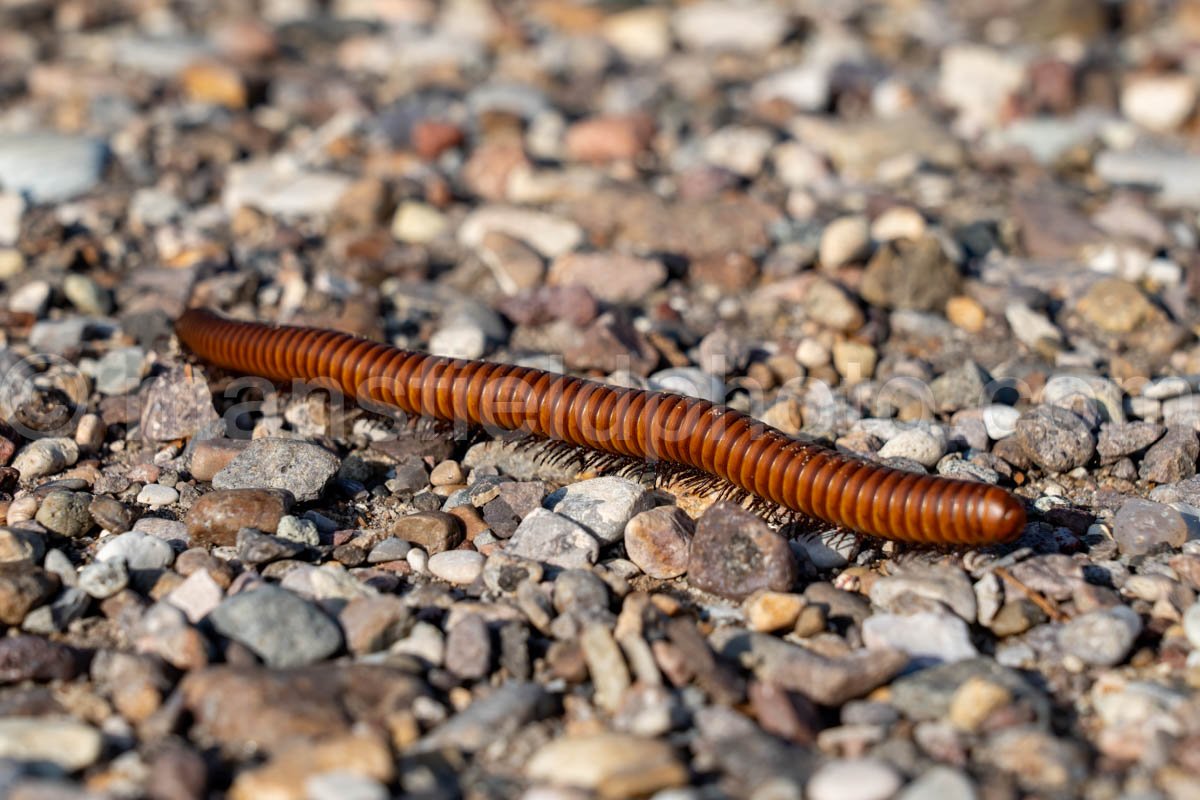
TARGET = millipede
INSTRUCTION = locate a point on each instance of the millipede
(805, 477)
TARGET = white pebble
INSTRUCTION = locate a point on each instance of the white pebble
(156, 495)
(418, 559)
(459, 567)
(1000, 420)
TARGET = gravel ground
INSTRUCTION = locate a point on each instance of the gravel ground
(958, 238)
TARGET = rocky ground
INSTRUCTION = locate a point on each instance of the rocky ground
(956, 237)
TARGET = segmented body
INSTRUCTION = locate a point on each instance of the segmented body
(806, 477)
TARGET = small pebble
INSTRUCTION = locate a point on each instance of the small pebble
(460, 567)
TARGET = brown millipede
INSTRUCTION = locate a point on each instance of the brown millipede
(805, 477)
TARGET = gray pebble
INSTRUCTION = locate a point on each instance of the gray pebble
(280, 627)
(120, 371)
(1102, 638)
(343, 785)
(1118, 439)
(603, 506)
(50, 167)
(962, 387)
(299, 467)
(102, 579)
(939, 783)
(65, 513)
(1143, 526)
(156, 495)
(299, 530)
(86, 295)
(176, 405)
(1055, 439)
(927, 637)
(1000, 420)
(917, 444)
(689, 381)
(553, 539)
(45, 457)
(460, 567)
(255, 547)
(390, 549)
(1172, 458)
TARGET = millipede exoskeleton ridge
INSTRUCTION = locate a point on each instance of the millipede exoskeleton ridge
(805, 477)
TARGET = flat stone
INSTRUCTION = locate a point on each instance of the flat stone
(911, 275)
(65, 513)
(612, 277)
(824, 680)
(276, 189)
(469, 648)
(216, 518)
(553, 539)
(23, 587)
(926, 637)
(460, 567)
(1121, 439)
(176, 405)
(45, 457)
(18, 546)
(1172, 458)
(494, 716)
(857, 778)
(252, 708)
(613, 765)
(34, 658)
(48, 167)
(67, 744)
(301, 468)
(602, 506)
(551, 236)
(139, 551)
(434, 531)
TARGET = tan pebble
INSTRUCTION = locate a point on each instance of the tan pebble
(212, 455)
(899, 222)
(90, 432)
(768, 611)
(966, 313)
(854, 361)
(473, 522)
(845, 240)
(22, 509)
(215, 84)
(446, 473)
(286, 773)
(810, 622)
(975, 700)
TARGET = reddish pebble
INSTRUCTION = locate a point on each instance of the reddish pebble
(615, 137)
(431, 138)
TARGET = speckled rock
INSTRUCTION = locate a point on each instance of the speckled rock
(734, 554)
(602, 506)
(298, 467)
(1055, 439)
